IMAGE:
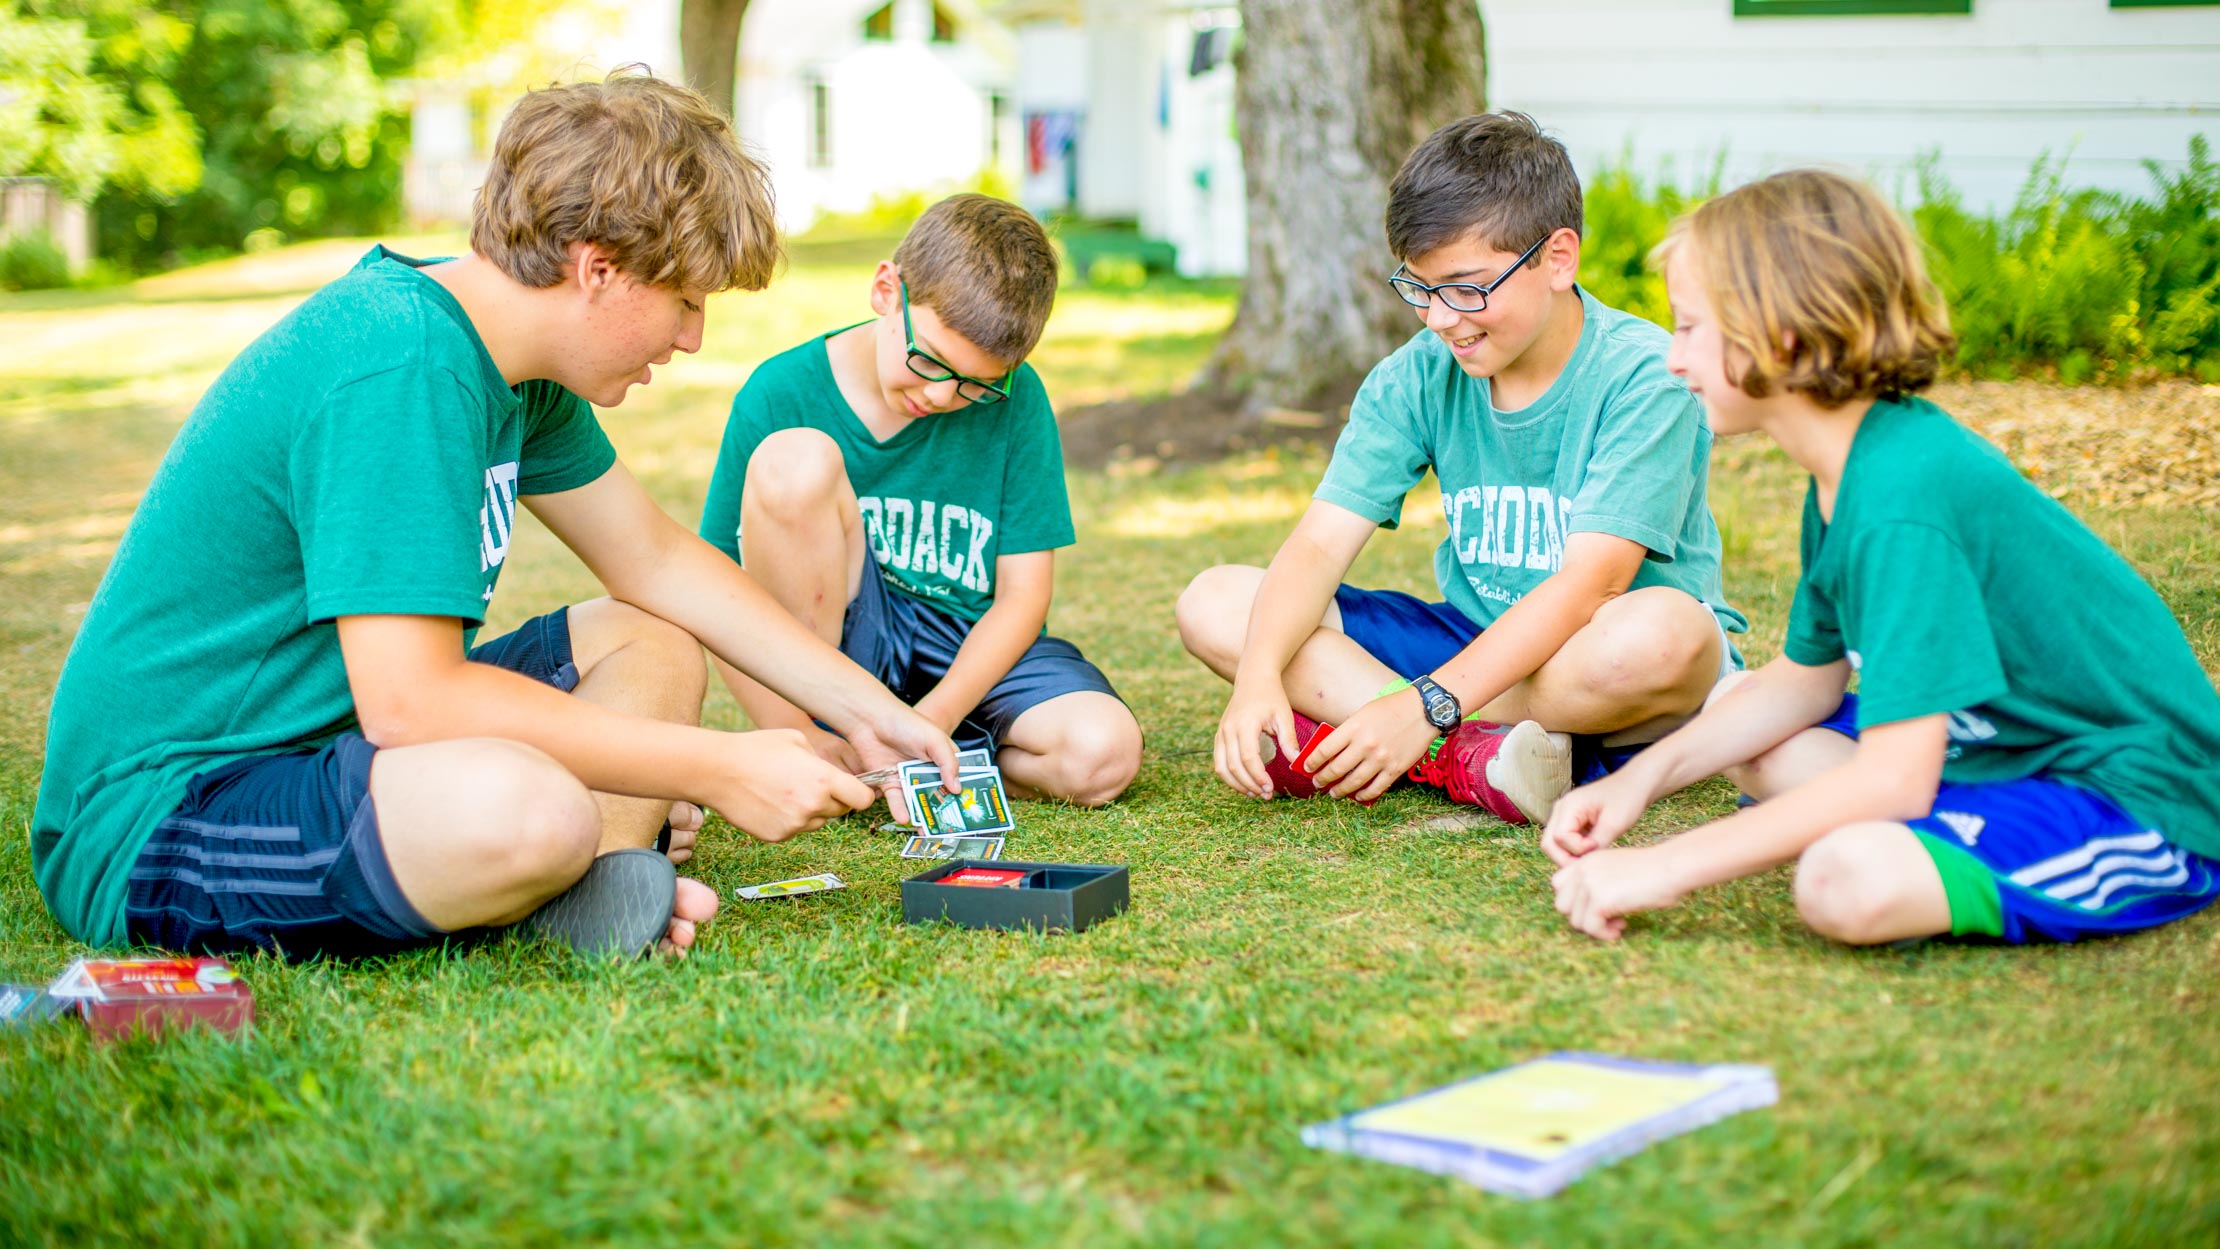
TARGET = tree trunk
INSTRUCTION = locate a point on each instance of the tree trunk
(1331, 97)
(709, 47)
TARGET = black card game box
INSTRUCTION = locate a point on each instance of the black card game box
(972, 893)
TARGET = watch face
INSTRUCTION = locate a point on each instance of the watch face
(1441, 710)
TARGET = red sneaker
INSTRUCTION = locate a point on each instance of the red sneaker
(1288, 778)
(1514, 773)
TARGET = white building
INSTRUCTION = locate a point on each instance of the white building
(1128, 111)
(846, 100)
(2104, 84)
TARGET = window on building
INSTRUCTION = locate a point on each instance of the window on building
(944, 26)
(820, 124)
(879, 27)
(998, 115)
(2160, 4)
(1837, 8)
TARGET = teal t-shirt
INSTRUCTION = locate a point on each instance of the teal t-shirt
(941, 499)
(1955, 587)
(363, 456)
(1616, 445)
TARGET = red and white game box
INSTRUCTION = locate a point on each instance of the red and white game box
(120, 996)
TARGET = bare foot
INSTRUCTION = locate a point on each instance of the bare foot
(695, 903)
(686, 821)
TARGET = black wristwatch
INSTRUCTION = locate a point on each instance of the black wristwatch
(1442, 710)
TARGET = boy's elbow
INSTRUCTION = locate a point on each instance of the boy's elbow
(400, 716)
(1908, 797)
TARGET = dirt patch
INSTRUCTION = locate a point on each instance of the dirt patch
(2155, 445)
(1192, 426)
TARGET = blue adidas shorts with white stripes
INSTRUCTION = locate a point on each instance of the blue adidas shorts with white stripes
(2041, 860)
(282, 852)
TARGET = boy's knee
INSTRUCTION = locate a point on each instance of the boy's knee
(532, 821)
(793, 470)
(1846, 889)
(665, 655)
(1657, 641)
(1213, 611)
(1096, 759)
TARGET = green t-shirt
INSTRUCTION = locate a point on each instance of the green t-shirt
(1956, 587)
(941, 499)
(363, 456)
(1615, 445)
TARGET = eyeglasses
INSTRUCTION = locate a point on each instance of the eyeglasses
(925, 366)
(1458, 296)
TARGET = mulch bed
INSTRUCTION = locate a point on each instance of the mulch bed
(2153, 445)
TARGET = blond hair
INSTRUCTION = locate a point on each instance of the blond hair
(986, 268)
(1820, 284)
(642, 167)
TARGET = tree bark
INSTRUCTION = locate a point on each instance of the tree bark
(709, 47)
(1330, 98)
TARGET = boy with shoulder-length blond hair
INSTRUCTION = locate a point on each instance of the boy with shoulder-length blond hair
(315, 759)
(899, 486)
(2033, 752)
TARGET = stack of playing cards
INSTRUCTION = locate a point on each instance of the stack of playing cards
(967, 824)
(120, 996)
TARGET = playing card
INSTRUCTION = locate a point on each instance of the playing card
(24, 1004)
(978, 805)
(974, 760)
(788, 888)
(1318, 735)
(953, 848)
(986, 877)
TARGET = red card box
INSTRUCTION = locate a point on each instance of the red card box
(119, 997)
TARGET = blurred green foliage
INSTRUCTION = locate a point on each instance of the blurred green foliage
(195, 124)
(32, 262)
(2078, 284)
(85, 98)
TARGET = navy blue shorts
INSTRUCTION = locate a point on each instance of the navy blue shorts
(282, 852)
(2037, 859)
(1412, 636)
(908, 644)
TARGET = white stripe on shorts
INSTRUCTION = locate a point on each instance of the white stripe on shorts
(2074, 860)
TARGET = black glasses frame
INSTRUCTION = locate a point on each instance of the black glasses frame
(972, 389)
(1419, 295)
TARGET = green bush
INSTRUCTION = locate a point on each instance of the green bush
(2077, 284)
(32, 262)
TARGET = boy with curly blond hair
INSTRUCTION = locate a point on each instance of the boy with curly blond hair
(273, 729)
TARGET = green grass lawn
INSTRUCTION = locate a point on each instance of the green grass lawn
(819, 1073)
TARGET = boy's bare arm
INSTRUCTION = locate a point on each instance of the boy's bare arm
(1023, 585)
(1762, 710)
(1892, 777)
(1597, 568)
(1379, 743)
(412, 685)
(1290, 604)
(648, 560)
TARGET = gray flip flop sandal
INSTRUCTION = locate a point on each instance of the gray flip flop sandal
(620, 906)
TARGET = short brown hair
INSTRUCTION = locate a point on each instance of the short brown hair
(643, 167)
(1821, 284)
(985, 267)
(1494, 177)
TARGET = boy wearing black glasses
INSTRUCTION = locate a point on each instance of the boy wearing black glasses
(899, 486)
(1580, 568)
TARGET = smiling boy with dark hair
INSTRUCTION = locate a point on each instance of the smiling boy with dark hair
(1583, 613)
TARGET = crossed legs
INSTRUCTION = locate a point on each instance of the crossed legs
(482, 831)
